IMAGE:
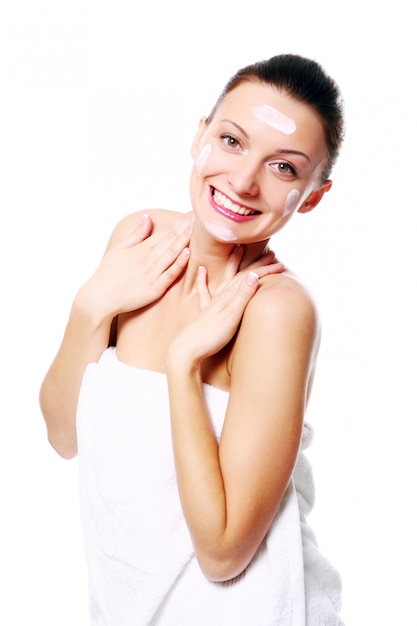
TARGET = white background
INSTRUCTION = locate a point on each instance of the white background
(99, 102)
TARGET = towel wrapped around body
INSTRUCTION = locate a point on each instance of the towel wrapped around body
(141, 562)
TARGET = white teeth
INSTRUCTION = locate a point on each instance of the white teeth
(225, 202)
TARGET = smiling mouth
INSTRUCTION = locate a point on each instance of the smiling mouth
(223, 202)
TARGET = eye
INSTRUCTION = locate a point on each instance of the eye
(230, 141)
(284, 168)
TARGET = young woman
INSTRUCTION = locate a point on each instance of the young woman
(190, 427)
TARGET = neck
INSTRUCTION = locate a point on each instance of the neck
(214, 256)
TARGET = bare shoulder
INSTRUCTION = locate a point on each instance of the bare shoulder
(284, 297)
(280, 330)
(282, 318)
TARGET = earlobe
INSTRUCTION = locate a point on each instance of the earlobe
(196, 142)
(315, 197)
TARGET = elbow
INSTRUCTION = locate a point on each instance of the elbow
(226, 557)
(62, 434)
(66, 447)
(221, 568)
(66, 453)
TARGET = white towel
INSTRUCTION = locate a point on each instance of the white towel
(321, 580)
(142, 568)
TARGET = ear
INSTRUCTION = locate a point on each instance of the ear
(195, 147)
(315, 197)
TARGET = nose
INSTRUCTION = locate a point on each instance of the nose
(244, 179)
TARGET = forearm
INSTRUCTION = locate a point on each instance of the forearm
(86, 336)
(231, 491)
(213, 499)
(199, 475)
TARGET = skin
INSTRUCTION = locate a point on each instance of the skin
(241, 324)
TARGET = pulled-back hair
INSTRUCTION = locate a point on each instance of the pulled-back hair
(306, 81)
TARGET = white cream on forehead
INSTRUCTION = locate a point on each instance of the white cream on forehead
(292, 202)
(202, 158)
(274, 118)
(219, 232)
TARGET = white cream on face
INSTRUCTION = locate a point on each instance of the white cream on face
(219, 232)
(274, 118)
(202, 158)
(292, 202)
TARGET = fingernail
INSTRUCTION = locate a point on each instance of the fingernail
(252, 278)
(144, 219)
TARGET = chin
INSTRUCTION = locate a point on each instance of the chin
(220, 233)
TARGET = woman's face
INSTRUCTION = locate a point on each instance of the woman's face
(258, 162)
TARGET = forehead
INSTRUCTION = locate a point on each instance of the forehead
(242, 104)
(249, 94)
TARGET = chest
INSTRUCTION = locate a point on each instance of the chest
(143, 338)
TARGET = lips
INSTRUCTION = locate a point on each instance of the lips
(227, 207)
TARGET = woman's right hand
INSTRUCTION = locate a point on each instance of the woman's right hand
(222, 311)
(138, 269)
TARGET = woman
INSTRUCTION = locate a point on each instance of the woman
(190, 428)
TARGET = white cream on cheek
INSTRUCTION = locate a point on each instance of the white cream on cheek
(295, 200)
(219, 232)
(312, 185)
(201, 158)
(292, 202)
(274, 118)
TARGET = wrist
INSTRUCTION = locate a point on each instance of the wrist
(181, 361)
(86, 307)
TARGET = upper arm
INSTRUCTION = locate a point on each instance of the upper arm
(270, 366)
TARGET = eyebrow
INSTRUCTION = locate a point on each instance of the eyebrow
(279, 151)
(236, 126)
(303, 154)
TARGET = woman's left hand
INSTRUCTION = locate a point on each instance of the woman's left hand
(266, 264)
(221, 312)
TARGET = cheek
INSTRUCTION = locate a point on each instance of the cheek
(292, 202)
(201, 159)
(314, 183)
(211, 160)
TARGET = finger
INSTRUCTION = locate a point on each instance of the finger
(274, 259)
(169, 246)
(250, 284)
(232, 266)
(246, 289)
(202, 289)
(272, 268)
(265, 259)
(271, 255)
(138, 234)
(173, 271)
